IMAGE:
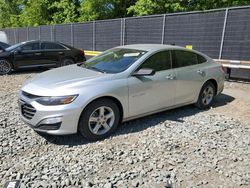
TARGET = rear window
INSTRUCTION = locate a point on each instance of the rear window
(201, 59)
(183, 58)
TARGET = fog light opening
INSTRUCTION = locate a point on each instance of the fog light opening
(53, 120)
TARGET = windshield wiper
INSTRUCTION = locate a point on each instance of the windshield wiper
(81, 63)
(96, 69)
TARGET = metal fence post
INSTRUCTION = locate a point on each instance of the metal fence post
(121, 32)
(15, 35)
(163, 29)
(223, 33)
(27, 30)
(72, 34)
(39, 32)
(93, 36)
(52, 33)
(124, 31)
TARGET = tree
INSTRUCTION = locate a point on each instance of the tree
(64, 11)
(147, 7)
(9, 13)
(34, 13)
(17, 13)
(104, 9)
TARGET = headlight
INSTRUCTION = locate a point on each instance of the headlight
(51, 101)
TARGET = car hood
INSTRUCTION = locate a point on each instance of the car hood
(4, 53)
(67, 78)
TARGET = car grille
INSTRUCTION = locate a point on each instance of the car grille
(27, 110)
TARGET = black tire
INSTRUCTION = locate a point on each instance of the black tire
(203, 101)
(87, 127)
(67, 61)
(5, 67)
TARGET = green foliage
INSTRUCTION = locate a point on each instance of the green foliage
(64, 11)
(147, 7)
(103, 9)
(18, 13)
(93, 10)
(34, 13)
(9, 13)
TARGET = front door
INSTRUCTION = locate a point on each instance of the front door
(152, 93)
(28, 55)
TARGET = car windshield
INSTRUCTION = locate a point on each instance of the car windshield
(14, 46)
(114, 60)
(4, 45)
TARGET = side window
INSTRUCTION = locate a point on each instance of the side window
(30, 46)
(183, 58)
(159, 61)
(51, 46)
(201, 59)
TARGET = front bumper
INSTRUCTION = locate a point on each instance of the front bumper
(55, 120)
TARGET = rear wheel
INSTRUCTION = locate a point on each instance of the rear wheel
(206, 95)
(99, 119)
(5, 67)
(67, 61)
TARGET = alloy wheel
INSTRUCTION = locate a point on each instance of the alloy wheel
(101, 120)
(5, 67)
(207, 95)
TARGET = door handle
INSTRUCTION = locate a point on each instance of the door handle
(38, 53)
(61, 53)
(202, 73)
(170, 77)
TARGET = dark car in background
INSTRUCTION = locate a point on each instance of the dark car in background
(32, 54)
(3, 46)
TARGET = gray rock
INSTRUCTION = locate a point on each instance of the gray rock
(108, 185)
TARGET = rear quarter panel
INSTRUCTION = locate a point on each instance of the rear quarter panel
(213, 71)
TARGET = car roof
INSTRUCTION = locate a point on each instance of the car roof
(40, 41)
(151, 47)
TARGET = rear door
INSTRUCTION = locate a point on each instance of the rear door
(151, 93)
(28, 55)
(189, 75)
(52, 52)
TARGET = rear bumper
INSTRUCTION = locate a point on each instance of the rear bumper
(220, 84)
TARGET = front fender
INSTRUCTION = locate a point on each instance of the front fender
(117, 89)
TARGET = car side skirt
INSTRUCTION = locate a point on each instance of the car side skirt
(157, 111)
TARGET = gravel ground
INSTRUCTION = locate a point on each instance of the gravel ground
(184, 147)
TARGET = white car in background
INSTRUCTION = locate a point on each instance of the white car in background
(118, 85)
(3, 37)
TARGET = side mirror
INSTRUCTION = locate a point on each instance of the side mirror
(144, 72)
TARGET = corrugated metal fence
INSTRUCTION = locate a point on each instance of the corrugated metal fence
(221, 33)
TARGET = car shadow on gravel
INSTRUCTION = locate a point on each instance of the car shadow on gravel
(29, 71)
(175, 115)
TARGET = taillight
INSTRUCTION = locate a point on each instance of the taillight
(83, 53)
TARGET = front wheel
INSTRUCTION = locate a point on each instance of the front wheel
(206, 95)
(5, 67)
(99, 119)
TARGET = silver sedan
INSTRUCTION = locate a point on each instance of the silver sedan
(118, 85)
